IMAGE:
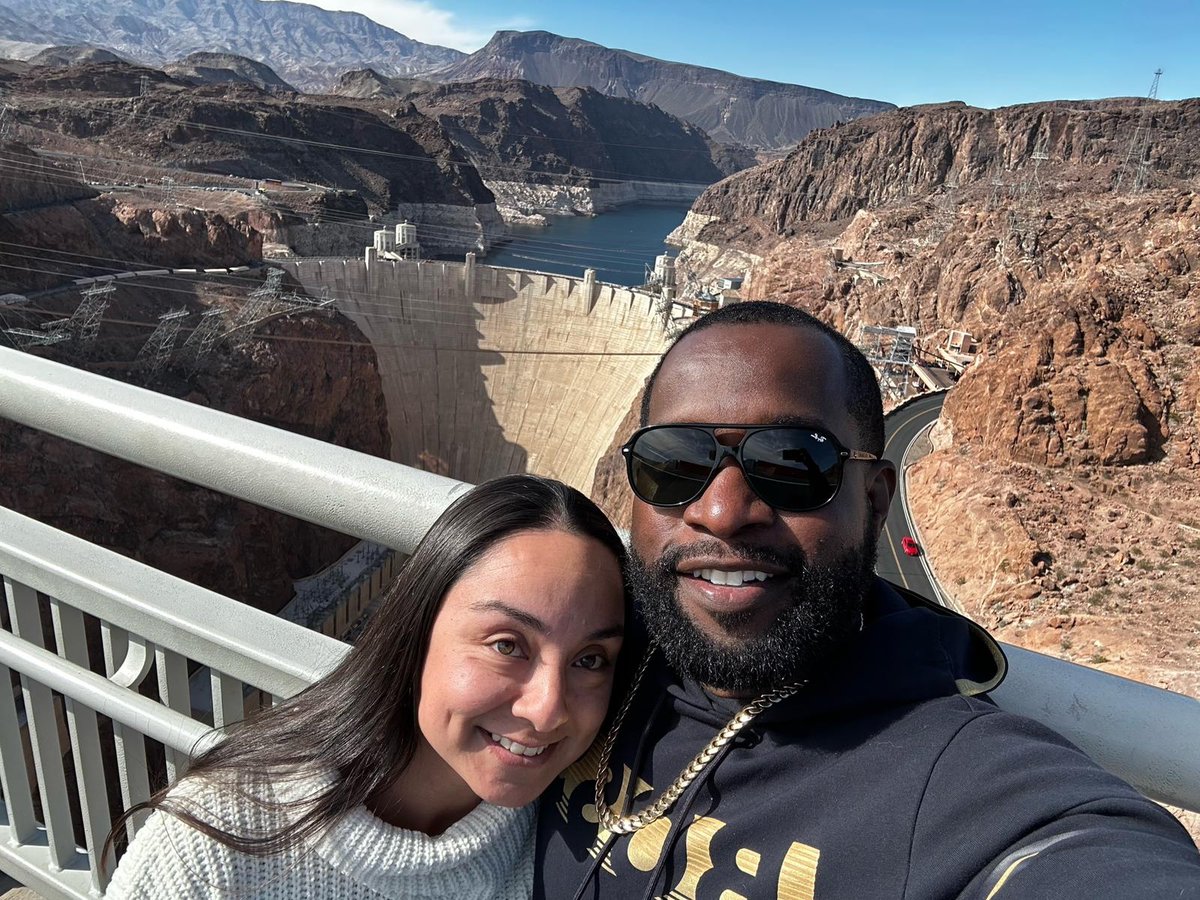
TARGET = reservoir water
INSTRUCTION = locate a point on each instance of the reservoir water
(618, 244)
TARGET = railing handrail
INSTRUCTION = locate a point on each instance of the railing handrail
(1142, 733)
(253, 646)
(345, 490)
(155, 721)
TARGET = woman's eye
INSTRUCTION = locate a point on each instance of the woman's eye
(505, 647)
(592, 662)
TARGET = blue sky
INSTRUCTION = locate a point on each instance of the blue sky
(988, 54)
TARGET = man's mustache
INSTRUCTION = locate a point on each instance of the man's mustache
(791, 560)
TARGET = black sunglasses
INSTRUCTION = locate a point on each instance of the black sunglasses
(791, 467)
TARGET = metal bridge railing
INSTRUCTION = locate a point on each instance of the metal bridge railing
(141, 621)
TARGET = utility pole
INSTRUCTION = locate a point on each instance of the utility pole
(1135, 172)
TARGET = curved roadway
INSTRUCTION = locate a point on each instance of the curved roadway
(901, 429)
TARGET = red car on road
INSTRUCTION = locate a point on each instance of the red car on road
(909, 546)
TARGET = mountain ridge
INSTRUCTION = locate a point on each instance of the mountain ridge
(731, 108)
(307, 46)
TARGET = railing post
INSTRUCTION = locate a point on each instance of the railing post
(175, 692)
(85, 742)
(14, 776)
(122, 655)
(43, 731)
(227, 699)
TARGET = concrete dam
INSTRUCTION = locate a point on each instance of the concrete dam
(488, 371)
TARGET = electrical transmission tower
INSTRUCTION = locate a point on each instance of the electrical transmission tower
(144, 87)
(200, 342)
(257, 305)
(1031, 185)
(11, 302)
(24, 337)
(999, 189)
(85, 322)
(6, 129)
(168, 186)
(1135, 172)
(890, 351)
(158, 347)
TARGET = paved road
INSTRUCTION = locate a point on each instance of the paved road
(893, 564)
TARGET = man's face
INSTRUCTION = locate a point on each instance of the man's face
(742, 638)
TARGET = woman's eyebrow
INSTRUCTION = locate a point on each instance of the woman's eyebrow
(527, 619)
(531, 621)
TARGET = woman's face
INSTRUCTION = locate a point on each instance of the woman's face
(520, 665)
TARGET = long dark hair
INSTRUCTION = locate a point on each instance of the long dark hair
(359, 722)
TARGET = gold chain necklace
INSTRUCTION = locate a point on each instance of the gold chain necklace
(629, 824)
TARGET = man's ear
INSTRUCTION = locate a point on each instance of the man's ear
(880, 490)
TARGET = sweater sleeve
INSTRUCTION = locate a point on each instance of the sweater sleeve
(1013, 809)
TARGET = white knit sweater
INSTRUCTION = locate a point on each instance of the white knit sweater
(488, 855)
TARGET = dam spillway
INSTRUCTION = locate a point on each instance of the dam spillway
(488, 371)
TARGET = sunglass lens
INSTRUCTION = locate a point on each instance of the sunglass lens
(670, 466)
(792, 468)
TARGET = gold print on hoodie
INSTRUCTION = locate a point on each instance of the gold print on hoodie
(797, 872)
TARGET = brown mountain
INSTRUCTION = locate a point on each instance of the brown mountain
(226, 68)
(732, 109)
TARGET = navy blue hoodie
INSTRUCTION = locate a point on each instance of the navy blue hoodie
(891, 776)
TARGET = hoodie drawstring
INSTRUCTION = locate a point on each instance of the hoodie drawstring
(639, 753)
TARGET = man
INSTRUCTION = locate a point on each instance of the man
(800, 728)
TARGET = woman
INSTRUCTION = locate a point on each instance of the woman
(411, 769)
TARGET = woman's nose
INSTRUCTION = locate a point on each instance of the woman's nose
(543, 700)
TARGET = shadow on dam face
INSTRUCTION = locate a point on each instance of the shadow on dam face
(489, 371)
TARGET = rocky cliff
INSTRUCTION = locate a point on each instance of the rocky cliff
(53, 229)
(728, 107)
(217, 146)
(28, 181)
(308, 46)
(235, 129)
(312, 374)
(538, 147)
(1059, 504)
(917, 152)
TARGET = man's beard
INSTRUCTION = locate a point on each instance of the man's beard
(825, 611)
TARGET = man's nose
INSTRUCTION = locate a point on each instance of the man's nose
(728, 505)
(543, 700)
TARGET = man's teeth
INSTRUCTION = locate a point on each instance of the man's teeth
(519, 749)
(733, 579)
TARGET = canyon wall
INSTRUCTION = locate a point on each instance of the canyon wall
(521, 198)
(309, 373)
